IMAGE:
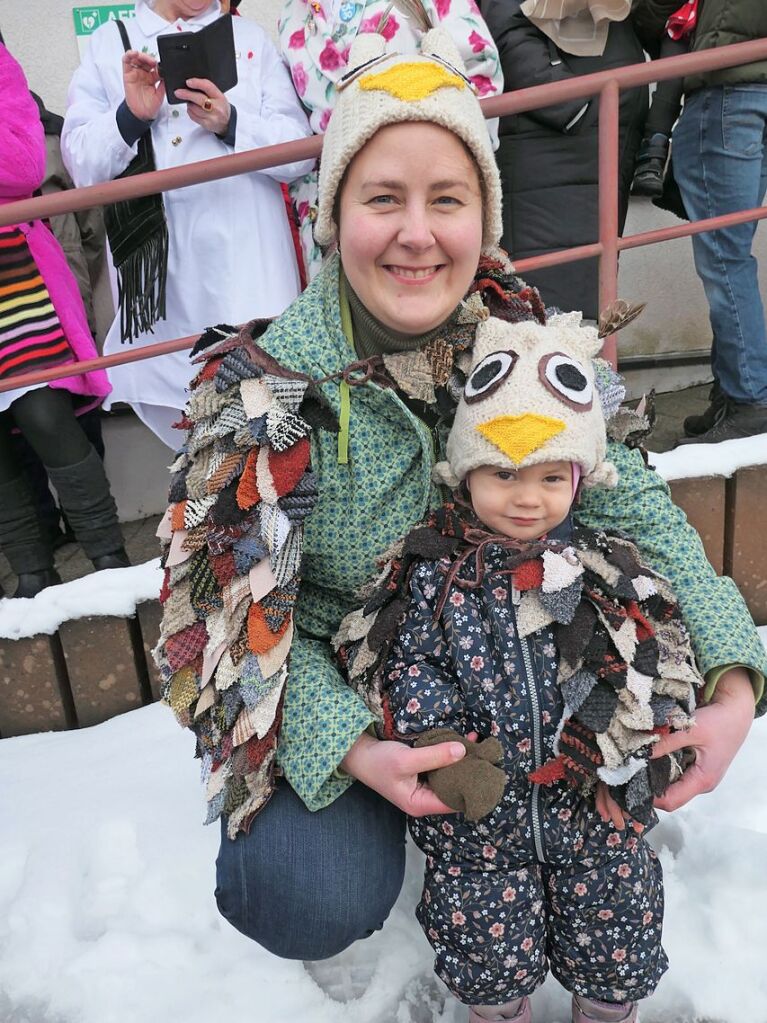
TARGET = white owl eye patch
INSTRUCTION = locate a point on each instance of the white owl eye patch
(567, 380)
(488, 375)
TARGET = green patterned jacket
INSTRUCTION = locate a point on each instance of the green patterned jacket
(383, 490)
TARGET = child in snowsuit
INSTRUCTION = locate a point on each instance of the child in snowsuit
(555, 641)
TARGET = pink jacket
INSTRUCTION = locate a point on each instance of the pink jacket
(22, 167)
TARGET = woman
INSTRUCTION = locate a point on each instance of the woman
(315, 40)
(548, 158)
(43, 324)
(410, 190)
(230, 252)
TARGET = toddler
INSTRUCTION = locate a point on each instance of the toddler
(559, 649)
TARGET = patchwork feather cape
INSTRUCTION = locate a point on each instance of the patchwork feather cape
(626, 669)
(240, 491)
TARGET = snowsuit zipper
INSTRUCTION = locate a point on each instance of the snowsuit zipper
(523, 646)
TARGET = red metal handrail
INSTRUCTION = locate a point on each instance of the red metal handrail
(605, 84)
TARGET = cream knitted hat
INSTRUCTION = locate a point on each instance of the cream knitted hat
(530, 397)
(381, 89)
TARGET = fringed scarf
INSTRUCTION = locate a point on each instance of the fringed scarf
(138, 239)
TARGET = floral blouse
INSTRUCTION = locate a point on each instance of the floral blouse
(315, 36)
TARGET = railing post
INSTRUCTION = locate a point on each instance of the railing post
(609, 129)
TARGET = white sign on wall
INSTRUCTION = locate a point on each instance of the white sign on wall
(88, 19)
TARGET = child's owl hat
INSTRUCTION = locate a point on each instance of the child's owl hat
(381, 89)
(531, 396)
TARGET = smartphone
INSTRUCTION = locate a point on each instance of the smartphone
(208, 53)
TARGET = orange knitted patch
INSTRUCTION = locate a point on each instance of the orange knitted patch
(548, 773)
(529, 575)
(260, 636)
(177, 515)
(287, 467)
(247, 489)
(208, 371)
(644, 628)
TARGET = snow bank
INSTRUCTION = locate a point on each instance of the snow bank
(115, 591)
(107, 912)
(710, 459)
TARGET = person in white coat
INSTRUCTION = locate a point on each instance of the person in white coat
(230, 250)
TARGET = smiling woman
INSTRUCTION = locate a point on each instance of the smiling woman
(410, 192)
(410, 229)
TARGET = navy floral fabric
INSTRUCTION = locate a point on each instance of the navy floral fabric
(541, 882)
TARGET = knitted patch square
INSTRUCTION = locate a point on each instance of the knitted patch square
(225, 473)
(287, 467)
(260, 637)
(223, 568)
(186, 645)
(247, 552)
(529, 575)
(247, 488)
(598, 708)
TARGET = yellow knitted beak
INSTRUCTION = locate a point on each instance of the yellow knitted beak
(519, 436)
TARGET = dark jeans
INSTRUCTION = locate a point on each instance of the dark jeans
(307, 885)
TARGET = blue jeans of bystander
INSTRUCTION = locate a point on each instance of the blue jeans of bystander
(720, 164)
(306, 885)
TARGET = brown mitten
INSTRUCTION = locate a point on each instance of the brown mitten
(474, 786)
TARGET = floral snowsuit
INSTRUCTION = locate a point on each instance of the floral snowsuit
(541, 882)
(315, 39)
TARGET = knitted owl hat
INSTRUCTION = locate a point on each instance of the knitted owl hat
(381, 89)
(531, 396)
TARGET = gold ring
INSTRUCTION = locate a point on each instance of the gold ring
(207, 106)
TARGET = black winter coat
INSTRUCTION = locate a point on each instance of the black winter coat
(548, 158)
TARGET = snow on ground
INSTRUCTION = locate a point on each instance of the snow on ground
(107, 912)
(722, 459)
(115, 591)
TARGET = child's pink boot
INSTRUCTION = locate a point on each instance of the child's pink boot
(589, 1010)
(517, 1011)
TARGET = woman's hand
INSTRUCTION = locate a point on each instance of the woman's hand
(144, 89)
(392, 770)
(206, 105)
(719, 731)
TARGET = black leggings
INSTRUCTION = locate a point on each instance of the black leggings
(48, 423)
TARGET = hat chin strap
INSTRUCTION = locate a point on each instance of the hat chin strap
(576, 477)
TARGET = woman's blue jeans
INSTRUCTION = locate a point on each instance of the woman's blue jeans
(306, 885)
(720, 164)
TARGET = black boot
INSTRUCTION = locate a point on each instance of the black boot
(118, 559)
(651, 166)
(31, 583)
(87, 501)
(694, 426)
(738, 421)
(28, 552)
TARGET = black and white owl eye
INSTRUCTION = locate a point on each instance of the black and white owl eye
(566, 379)
(488, 375)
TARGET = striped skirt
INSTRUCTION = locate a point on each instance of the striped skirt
(31, 336)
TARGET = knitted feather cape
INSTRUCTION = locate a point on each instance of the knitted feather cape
(626, 668)
(240, 491)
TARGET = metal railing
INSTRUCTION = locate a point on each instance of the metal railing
(606, 85)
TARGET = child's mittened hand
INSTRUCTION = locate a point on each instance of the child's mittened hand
(473, 786)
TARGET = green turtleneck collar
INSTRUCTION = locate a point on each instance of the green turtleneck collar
(371, 337)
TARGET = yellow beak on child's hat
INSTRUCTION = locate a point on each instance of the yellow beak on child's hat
(518, 436)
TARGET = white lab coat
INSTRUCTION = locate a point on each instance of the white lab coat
(231, 255)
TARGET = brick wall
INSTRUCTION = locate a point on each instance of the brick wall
(95, 668)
